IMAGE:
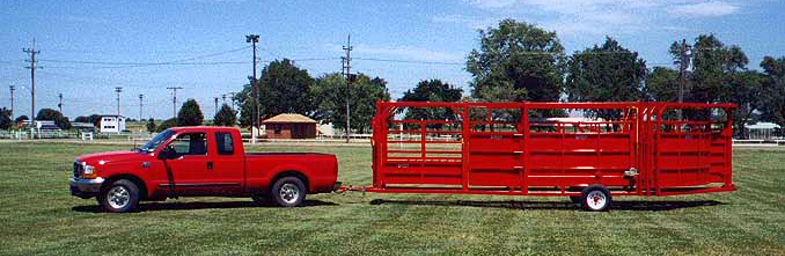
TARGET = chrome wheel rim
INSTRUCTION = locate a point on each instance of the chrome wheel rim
(118, 197)
(596, 200)
(289, 193)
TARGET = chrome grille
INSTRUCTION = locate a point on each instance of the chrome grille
(77, 169)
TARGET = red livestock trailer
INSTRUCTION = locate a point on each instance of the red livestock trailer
(626, 149)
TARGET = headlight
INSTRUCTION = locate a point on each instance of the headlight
(89, 171)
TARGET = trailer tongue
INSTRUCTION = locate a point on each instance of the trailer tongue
(629, 148)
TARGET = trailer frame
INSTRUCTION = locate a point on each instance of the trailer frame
(518, 150)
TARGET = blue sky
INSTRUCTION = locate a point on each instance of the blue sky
(207, 38)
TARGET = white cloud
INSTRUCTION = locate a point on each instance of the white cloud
(574, 17)
(706, 9)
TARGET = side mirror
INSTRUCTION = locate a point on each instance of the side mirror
(167, 153)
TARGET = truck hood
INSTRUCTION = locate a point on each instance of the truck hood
(112, 156)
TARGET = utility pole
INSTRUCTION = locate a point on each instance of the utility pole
(253, 39)
(216, 105)
(141, 104)
(32, 67)
(347, 67)
(231, 97)
(60, 104)
(174, 99)
(12, 100)
(118, 90)
(684, 63)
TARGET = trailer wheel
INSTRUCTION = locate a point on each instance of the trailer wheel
(289, 192)
(121, 196)
(596, 198)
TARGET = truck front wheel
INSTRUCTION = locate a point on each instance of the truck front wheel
(120, 196)
(288, 192)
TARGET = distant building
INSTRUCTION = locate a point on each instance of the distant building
(290, 126)
(763, 131)
(46, 126)
(111, 124)
(83, 126)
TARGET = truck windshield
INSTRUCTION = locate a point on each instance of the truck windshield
(151, 145)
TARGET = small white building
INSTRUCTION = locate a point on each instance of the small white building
(111, 124)
(762, 131)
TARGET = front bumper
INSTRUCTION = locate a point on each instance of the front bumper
(85, 188)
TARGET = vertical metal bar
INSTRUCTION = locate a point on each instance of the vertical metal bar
(728, 134)
(526, 149)
(465, 138)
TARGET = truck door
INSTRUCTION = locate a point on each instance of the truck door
(227, 163)
(192, 172)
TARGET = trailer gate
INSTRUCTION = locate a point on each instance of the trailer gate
(651, 148)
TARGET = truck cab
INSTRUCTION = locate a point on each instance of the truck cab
(200, 161)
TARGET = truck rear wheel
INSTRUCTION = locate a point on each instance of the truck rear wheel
(120, 196)
(596, 198)
(288, 192)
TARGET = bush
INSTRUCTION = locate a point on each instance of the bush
(172, 122)
(190, 114)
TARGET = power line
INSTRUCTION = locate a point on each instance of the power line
(174, 62)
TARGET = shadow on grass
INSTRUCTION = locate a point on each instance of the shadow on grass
(558, 205)
(161, 206)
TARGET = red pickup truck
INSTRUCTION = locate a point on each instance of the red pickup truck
(200, 161)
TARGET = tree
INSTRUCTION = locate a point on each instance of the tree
(94, 119)
(168, 123)
(21, 118)
(225, 116)
(712, 63)
(48, 114)
(5, 119)
(516, 62)
(662, 84)
(774, 89)
(283, 88)
(432, 90)
(190, 114)
(746, 88)
(330, 96)
(151, 125)
(604, 73)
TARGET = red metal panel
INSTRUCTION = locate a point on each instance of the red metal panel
(505, 149)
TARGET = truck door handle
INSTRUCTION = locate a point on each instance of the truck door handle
(209, 165)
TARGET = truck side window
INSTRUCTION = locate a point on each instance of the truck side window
(225, 143)
(190, 144)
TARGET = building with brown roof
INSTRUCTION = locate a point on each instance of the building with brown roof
(290, 126)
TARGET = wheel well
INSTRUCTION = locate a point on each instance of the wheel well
(297, 174)
(136, 180)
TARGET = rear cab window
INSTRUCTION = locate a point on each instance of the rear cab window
(225, 143)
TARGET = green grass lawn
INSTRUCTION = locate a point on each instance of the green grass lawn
(38, 216)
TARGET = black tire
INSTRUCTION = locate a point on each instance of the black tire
(119, 197)
(596, 198)
(576, 199)
(288, 192)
